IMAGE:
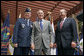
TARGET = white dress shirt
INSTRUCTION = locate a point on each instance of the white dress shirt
(64, 19)
(42, 21)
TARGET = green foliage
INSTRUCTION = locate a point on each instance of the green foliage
(80, 25)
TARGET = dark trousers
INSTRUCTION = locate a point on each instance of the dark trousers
(21, 50)
(65, 51)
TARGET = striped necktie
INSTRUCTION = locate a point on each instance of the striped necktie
(61, 24)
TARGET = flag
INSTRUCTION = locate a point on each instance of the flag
(53, 50)
(11, 46)
(10, 50)
(53, 26)
(81, 46)
(1, 25)
(31, 52)
(5, 34)
(49, 13)
(20, 15)
(49, 18)
(77, 50)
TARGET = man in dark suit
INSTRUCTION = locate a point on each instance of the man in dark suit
(22, 34)
(66, 34)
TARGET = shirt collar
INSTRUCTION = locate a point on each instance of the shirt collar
(64, 18)
(39, 20)
(27, 19)
(42, 19)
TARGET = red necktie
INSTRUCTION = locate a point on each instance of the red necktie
(61, 24)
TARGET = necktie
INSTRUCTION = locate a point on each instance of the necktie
(41, 25)
(61, 24)
(28, 22)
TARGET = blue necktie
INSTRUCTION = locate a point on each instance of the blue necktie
(41, 25)
(28, 22)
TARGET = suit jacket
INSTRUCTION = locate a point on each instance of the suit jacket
(38, 36)
(67, 34)
(22, 33)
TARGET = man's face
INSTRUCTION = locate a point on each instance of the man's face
(27, 15)
(62, 14)
(40, 14)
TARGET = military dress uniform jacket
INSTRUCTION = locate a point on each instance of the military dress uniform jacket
(22, 33)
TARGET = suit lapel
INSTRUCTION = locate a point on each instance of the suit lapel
(44, 23)
(64, 23)
(29, 22)
(38, 26)
(59, 25)
(24, 21)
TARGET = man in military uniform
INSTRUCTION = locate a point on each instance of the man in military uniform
(22, 34)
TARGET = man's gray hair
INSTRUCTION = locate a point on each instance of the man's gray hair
(40, 10)
(63, 10)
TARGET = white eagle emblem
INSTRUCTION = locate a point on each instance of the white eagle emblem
(23, 25)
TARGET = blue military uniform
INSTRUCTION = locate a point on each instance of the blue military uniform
(22, 36)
